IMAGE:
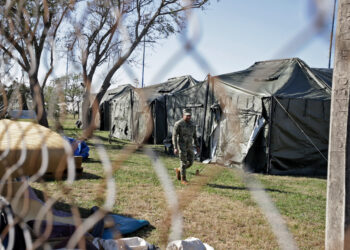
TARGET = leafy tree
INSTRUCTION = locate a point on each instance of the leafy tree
(73, 91)
(16, 96)
(53, 96)
(110, 31)
(27, 28)
(19, 91)
(63, 91)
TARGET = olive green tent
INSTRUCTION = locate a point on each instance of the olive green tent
(272, 117)
(107, 109)
(140, 113)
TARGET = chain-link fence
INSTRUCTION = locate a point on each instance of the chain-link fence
(102, 34)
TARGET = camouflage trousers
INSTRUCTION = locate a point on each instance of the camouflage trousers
(186, 160)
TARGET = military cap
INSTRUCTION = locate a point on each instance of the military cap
(186, 111)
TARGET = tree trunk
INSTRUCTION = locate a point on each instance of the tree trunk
(102, 91)
(85, 106)
(96, 103)
(39, 103)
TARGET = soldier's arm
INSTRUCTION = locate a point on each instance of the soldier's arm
(195, 137)
(175, 134)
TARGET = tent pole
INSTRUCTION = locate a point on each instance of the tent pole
(331, 38)
(211, 117)
(166, 116)
(131, 116)
(205, 115)
(154, 122)
(268, 165)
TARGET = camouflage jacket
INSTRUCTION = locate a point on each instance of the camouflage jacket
(184, 133)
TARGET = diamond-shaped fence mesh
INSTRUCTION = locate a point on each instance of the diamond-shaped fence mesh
(30, 47)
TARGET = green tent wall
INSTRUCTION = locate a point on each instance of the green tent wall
(272, 117)
(139, 114)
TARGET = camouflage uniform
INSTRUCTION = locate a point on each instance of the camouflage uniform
(183, 134)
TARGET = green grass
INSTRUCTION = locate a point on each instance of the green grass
(217, 206)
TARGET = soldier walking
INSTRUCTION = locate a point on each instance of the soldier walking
(184, 134)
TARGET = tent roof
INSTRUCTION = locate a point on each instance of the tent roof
(325, 74)
(290, 78)
(152, 92)
(173, 85)
(111, 93)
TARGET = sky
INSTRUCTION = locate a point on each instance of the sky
(231, 35)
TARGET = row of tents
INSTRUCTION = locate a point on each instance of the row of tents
(272, 117)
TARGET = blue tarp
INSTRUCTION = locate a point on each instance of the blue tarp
(23, 114)
(123, 225)
(80, 147)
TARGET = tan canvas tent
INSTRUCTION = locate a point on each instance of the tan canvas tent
(24, 146)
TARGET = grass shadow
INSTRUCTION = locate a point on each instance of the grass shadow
(111, 140)
(79, 176)
(113, 146)
(296, 173)
(143, 233)
(160, 150)
(245, 188)
(87, 176)
(62, 206)
(323, 177)
(91, 160)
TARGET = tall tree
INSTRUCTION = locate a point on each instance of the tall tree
(73, 91)
(71, 88)
(27, 28)
(110, 31)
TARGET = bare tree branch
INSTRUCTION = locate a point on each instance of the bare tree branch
(114, 29)
(8, 52)
(48, 73)
(28, 26)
